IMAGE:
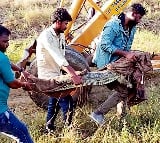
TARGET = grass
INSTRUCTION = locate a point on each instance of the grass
(146, 41)
(141, 125)
(15, 50)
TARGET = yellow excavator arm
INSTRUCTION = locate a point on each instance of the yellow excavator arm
(94, 26)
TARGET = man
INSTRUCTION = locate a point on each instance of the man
(9, 123)
(50, 52)
(115, 42)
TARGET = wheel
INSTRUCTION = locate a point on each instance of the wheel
(75, 59)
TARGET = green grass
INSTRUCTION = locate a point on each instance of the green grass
(146, 41)
(141, 125)
(16, 47)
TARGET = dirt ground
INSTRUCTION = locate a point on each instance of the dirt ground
(18, 96)
(20, 101)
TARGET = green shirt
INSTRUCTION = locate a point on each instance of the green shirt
(6, 76)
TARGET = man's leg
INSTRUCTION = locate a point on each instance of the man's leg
(66, 105)
(112, 101)
(53, 109)
(11, 126)
(120, 95)
(72, 106)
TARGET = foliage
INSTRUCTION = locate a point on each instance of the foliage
(146, 41)
(15, 50)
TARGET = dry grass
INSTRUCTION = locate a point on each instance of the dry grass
(146, 41)
(36, 17)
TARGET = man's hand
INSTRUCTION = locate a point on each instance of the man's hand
(76, 79)
(130, 56)
(74, 76)
(127, 54)
(28, 86)
(25, 74)
(81, 73)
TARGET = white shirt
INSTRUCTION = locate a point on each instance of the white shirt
(50, 53)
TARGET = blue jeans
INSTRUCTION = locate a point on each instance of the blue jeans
(65, 104)
(11, 126)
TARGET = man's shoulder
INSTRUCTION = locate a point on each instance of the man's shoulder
(45, 31)
(44, 34)
(3, 56)
(49, 31)
(114, 21)
(4, 60)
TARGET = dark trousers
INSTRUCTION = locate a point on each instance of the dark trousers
(11, 126)
(65, 104)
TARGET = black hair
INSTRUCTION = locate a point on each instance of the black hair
(4, 30)
(61, 14)
(121, 16)
(138, 8)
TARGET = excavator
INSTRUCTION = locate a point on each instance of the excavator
(86, 35)
(78, 41)
(102, 15)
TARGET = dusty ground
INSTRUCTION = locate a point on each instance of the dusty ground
(19, 101)
(19, 96)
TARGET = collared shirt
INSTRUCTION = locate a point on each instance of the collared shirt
(50, 53)
(113, 37)
(6, 76)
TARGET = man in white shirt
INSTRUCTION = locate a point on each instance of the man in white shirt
(50, 53)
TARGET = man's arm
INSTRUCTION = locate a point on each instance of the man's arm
(27, 54)
(126, 54)
(18, 84)
(9, 78)
(59, 58)
(16, 68)
(19, 71)
(76, 79)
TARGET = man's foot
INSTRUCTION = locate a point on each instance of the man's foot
(50, 128)
(98, 118)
